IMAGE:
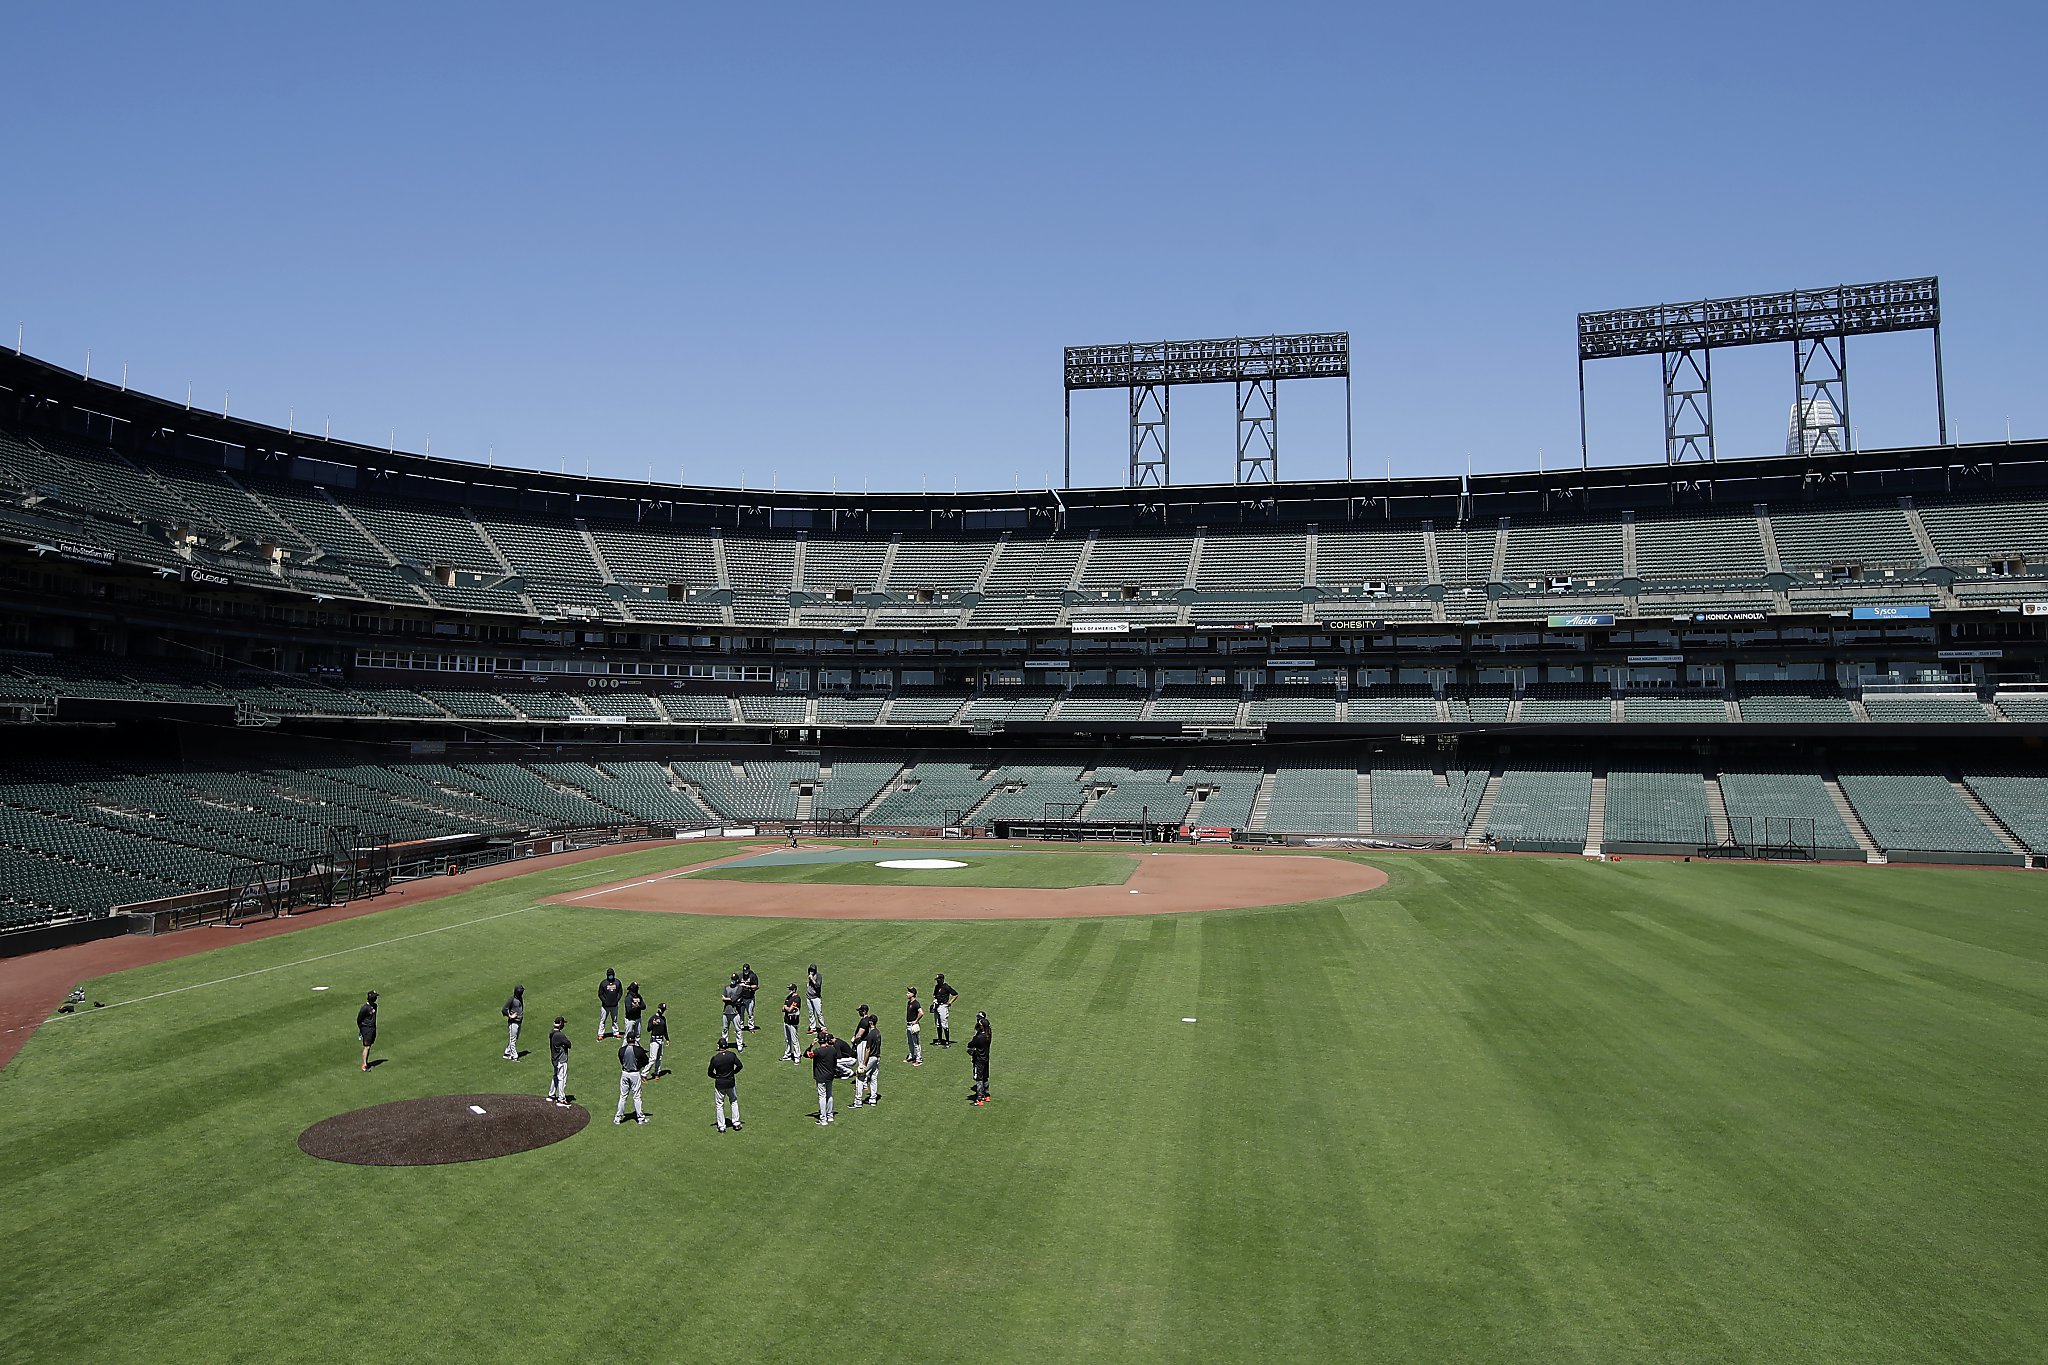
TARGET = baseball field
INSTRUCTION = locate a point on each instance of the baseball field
(1496, 1109)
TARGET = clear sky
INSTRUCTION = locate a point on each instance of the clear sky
(845, 243)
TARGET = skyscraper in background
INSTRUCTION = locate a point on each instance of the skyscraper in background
(1825, 434)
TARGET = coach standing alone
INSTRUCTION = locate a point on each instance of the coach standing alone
(977, 1053)
(366, 1027)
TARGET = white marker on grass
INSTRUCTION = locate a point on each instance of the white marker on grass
(1187, 1021)
(319, 988)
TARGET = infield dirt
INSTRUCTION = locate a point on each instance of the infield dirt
(1164, 884)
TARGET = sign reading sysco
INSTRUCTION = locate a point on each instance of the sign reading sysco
(1583, 620)
(1898, 613)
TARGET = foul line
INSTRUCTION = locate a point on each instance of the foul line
(627, 886)
(282, 966)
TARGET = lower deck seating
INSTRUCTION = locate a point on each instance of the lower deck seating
(1545, 808)
(1657, 806)
(1909, 811)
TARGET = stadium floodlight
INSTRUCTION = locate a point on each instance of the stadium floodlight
(1255, 365)
(1818, 323)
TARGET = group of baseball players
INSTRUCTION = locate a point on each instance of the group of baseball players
(622, 1014)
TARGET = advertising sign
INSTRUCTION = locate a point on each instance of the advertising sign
(1898, 613)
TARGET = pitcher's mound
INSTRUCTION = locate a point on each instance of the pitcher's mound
(442, 1129)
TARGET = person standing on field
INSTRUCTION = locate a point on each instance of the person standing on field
(792, 1019)
(943, 996)
(558, 1054)
(977, 1053)
(731, 1009)
(750, 986)
(724, 1072)
(814, 995)
(825, 1056)
(913, 1026)
(867, 1059)
(608, 993)
(515, 1014)
(632, 1060)
(635, 1007)
(366, 1027)
(657, 1041)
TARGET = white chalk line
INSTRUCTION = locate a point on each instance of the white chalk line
(284, 966)
(628, 886)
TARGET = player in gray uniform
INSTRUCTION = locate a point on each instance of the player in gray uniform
(814, 996)
(632, 1060)
(732, 1007)
(825, 1054)
(792, 1019)
(636, 1005)
(608, 992)
(515, 1014)
(558, 1053)
(750, 986)
(724, 1071)
(867, 1060)
(913, 1026)
(657, 1041)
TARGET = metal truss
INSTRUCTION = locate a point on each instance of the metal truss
(1820, 377)
(1150, 435)
(1258, 431)
(1688, 405)
(1255, 365)
(1818, 323)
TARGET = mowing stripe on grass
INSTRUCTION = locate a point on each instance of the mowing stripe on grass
(317, 957)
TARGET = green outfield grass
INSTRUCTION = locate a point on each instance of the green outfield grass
(1503, 1110)
(1050, 871)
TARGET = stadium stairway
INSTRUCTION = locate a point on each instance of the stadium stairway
(1365, 800)
(1596, 815)
(1871, 852)
(1988, 816)
(1483, 812)
(1262, 802)
(1717, 809)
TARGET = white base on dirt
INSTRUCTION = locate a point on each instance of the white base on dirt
(921, 864)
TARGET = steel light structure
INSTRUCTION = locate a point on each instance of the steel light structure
(1818, 323)
(1255, 365)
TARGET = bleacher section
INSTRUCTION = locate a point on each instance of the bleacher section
(1656, 806)
(1313, 800)
(1908, 811)
(2017, 797)
(1541, 809)
(1780, 805)
(1421, 801)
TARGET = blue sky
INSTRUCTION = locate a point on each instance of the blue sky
(810, 244)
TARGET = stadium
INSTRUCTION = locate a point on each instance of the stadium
(1309, 836)
(259, 681)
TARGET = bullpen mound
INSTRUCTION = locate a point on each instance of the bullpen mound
(441, 1130)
